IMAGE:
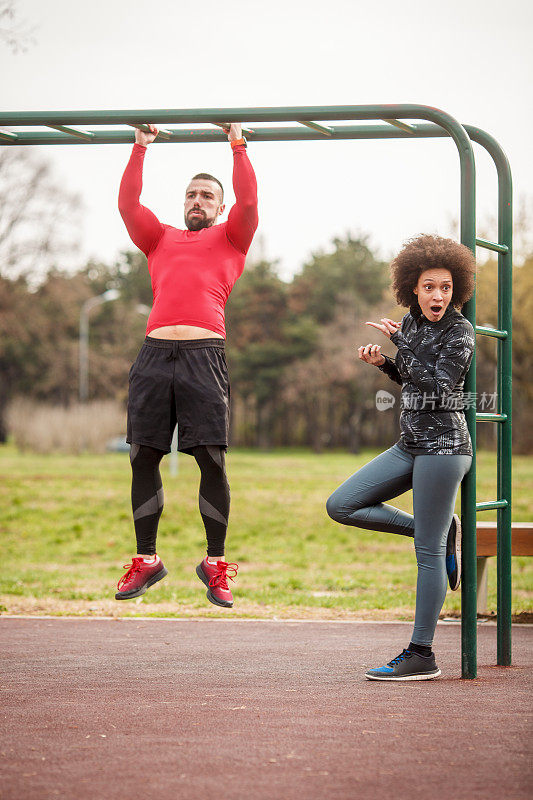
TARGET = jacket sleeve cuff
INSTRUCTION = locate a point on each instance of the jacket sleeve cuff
(397, 338)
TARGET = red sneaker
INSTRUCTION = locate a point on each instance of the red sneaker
(139, 577)
(215, 577)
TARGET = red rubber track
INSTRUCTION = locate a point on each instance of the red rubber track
(205, 710)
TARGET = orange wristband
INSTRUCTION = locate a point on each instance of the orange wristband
(237, 142)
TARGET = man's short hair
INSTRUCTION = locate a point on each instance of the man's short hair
(204, 176)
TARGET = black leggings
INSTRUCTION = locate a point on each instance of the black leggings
(147, 495)
(214, 496)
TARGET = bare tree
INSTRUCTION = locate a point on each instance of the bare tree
(14, 32)
(38, 218)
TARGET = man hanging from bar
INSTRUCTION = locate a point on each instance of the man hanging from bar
(180, 375)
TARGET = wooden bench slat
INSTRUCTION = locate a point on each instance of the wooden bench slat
(521, 537)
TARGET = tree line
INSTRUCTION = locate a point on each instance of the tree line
(291, 346)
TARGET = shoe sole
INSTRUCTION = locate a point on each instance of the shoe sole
(423, 676)
(142, 589)
(210, 597)
(457, 552)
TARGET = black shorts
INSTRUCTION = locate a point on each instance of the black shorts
(184, 382)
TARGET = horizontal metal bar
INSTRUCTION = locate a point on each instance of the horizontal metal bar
(87, 135)
(403, 126)
(225, 128)
(184, 135)
(165, 116)
(315, 126)
(498, 248)
(491, 505)
(482, 417)
(264, 134)
(194, 135)
(494, 332)
(145, 129)
(8, 136)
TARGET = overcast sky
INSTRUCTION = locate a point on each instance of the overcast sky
(472, 58)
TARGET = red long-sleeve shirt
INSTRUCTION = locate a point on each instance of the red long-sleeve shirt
(192, 272)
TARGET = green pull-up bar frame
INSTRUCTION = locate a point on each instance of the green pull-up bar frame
(314, 123)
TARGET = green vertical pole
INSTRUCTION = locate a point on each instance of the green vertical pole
(468, 487)
(504, 453)
(505, 288)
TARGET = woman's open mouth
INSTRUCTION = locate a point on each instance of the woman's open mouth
(436, 309)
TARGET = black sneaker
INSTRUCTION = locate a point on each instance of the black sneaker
(453, 553)
(408, 666)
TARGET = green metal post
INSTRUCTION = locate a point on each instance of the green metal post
(505, 288)
(505, 462)
(468, 493)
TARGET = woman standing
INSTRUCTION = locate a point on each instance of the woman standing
(433, 277)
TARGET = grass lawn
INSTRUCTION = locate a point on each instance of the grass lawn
(65, 524)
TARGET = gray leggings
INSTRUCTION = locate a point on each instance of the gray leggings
(434, 481)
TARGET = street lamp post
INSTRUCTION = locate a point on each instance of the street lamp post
(92, 302)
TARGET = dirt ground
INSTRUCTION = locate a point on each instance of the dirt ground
(103, 709)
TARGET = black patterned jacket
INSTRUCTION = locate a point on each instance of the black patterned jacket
(430, 365)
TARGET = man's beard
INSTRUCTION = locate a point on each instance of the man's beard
(198, 222)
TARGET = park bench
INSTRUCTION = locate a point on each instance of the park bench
(522, 545)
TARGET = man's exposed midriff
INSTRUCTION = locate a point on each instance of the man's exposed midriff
(183, 332)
